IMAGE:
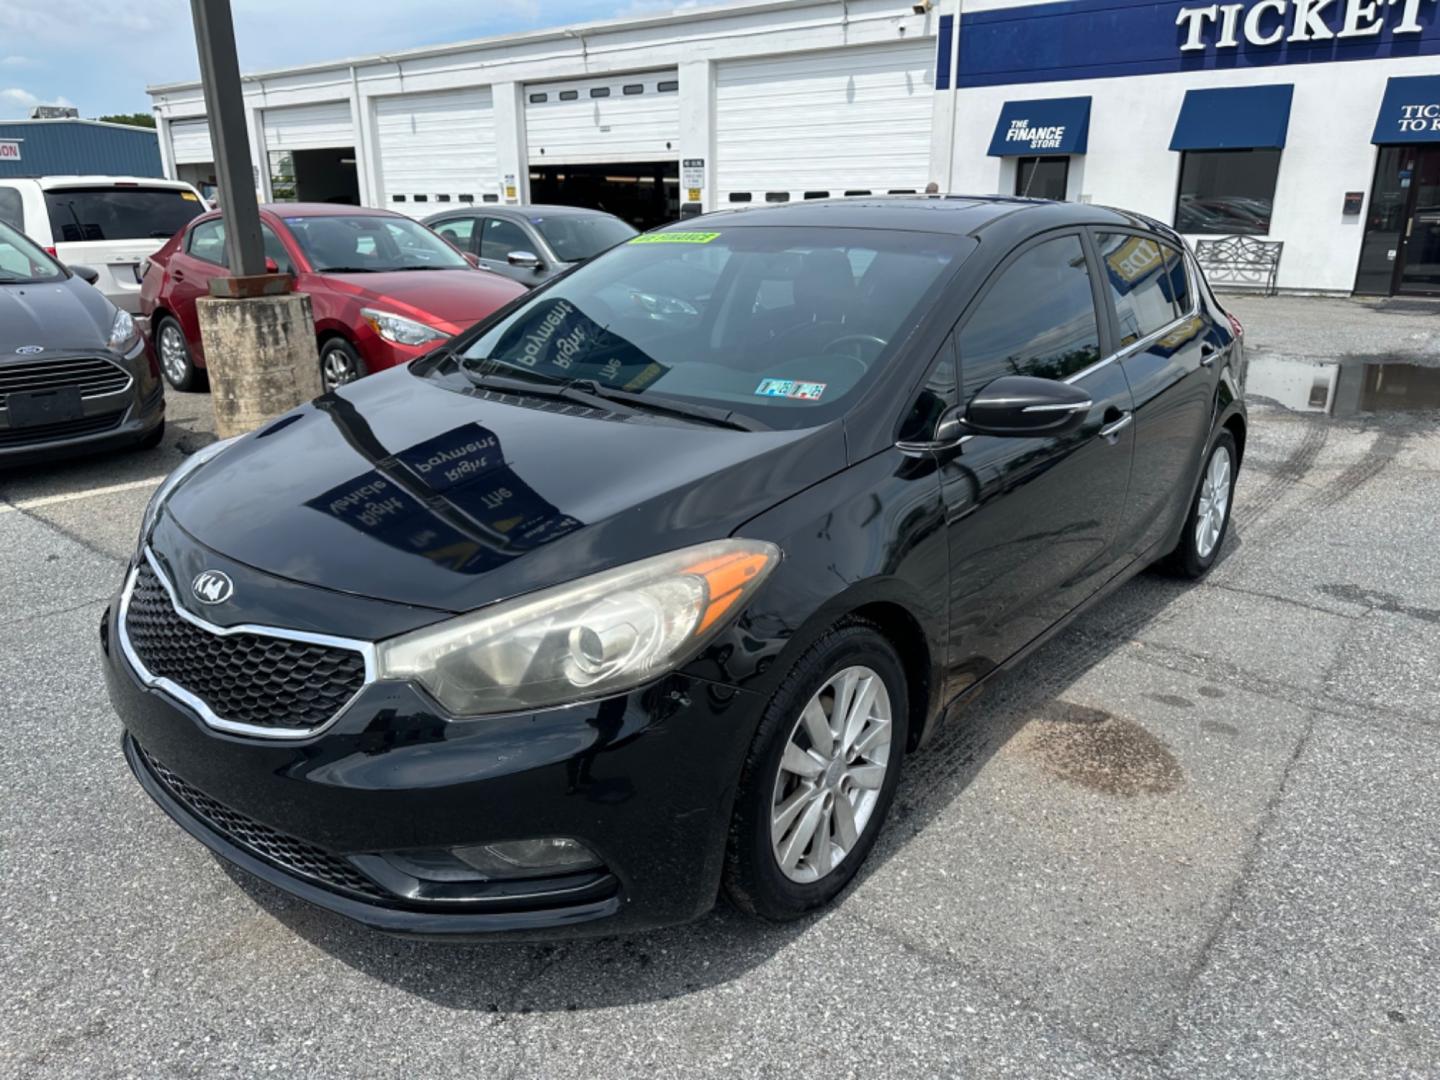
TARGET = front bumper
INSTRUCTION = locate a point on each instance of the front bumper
(110, 421)
(645, 780)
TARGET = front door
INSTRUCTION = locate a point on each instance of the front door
(1032, 521)
(499, 237)
(1401, 249)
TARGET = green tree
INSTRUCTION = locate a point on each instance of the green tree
(136, 119)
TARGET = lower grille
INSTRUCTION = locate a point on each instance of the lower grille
(285, 852)
(274, 683)
(66, 429)
(94, 376)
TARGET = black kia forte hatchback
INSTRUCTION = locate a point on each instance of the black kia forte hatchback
(644, 588)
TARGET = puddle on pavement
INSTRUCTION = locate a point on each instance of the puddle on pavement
(1343, 389)
(1100, 751)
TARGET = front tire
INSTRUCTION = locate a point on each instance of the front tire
(1209, 518)
(340, 364)
(173, 352)
(820, 776)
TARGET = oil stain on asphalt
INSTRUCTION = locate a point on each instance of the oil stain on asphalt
(1098, 750)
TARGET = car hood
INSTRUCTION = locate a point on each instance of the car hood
(398, 489)
(56, 315)
(455, 298)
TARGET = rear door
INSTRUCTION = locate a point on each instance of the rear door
(113, 227)
(1167, 348)
(1032, 521)
(200, 258)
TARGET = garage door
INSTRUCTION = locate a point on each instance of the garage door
(824, 124)
(595, 121)
(438, 148)
(309, 127)
(190, 141)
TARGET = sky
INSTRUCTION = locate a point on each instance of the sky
(99, 55)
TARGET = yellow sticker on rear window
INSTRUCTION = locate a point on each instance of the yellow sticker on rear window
(189, 196)
(675, 238)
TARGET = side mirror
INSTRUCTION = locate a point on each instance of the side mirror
(1022, 406)
(525, 260)
(87, 274)
(472, 259)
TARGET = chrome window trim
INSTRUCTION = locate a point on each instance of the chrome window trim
(212, 719)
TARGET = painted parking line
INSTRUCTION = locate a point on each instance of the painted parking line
(76, 496)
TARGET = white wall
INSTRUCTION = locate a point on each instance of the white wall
(1129, 163)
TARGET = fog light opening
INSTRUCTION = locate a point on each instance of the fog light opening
(528, 858)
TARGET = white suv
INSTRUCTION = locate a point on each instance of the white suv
(109, 223)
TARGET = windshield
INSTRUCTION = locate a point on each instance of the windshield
(782, 324)
(362, 243)
(21, 260)
(111, 213)
(577, 237)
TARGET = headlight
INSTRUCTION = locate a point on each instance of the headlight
(587, 639)
(400, 330)
(123, 333)
(171, 482)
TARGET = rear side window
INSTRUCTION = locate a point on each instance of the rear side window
(458, 231)
(1038, 318)
(207, 242)
(12, 211)
(1178, 281)
(1138, 279)
(108, 213)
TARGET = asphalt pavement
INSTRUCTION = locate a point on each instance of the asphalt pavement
(1192, 837)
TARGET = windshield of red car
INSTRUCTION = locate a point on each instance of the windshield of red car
(365, 243)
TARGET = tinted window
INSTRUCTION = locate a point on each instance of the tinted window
(937, 395)
(458, 231)
(1177, 280)
(1227, 192)
(207, 242)
(1139, 281)
(1037, 319)
(22, 260)
(274, 249)
(11, 210)
(774, 322)
(502, 237)
(1042, 177)
(575, 238)
(80, 214)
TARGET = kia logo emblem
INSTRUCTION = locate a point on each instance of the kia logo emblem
(212, 587)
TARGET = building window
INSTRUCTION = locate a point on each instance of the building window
(442, 198)
(901, 191)
(466, 198)
(599, 91)
(739, 196)
(569, 95)
(1042, 177)
(667, 87)
(397, 198)
(490, 198)
(858, 191)
(1226, 192)
(631, 89)
(817, 194)
(777, 196)
(539, 99)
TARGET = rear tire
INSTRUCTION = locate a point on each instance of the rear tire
(173, 352)
(1208, 520)
(793, 845)
(340, 364)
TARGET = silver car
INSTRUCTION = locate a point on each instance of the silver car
(530, 244)
(74, 372)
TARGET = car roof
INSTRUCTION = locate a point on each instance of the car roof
(48, 183)
(962, 215)
(302, 209)
(526, 211)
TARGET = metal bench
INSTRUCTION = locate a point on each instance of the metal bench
(1241, 260)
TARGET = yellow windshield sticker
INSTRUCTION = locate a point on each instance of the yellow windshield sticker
(675, 238)
(189, 196)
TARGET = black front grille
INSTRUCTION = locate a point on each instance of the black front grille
(93, 375)
(295, 856)
(66, 429)
(256, 679)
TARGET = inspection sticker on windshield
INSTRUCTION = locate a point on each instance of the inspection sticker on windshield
(674, 238)
(787, 388)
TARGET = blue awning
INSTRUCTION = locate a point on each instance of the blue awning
(1234, 118)
(1410, 110)
(1046, 126)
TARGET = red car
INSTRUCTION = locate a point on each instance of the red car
(384, 289)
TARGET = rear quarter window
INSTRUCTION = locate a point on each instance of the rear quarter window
(83, 215)
(12, 210)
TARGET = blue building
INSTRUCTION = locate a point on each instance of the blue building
(77, 147)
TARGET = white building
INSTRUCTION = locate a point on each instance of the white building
(1315, 123)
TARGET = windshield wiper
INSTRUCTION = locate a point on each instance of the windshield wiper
(346, 270)
(707, 414)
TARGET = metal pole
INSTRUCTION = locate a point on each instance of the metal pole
(225, 108)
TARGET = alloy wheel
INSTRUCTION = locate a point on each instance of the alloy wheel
(337, 368)
(831, 773)
(1214, 502)
(172, 354)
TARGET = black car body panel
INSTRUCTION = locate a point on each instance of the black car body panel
(413, 495)
(53, 343)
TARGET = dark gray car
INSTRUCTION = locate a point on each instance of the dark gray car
(530, 244)
(74, 372)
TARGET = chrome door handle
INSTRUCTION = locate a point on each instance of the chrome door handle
(1109, 431)
(1207, 354)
